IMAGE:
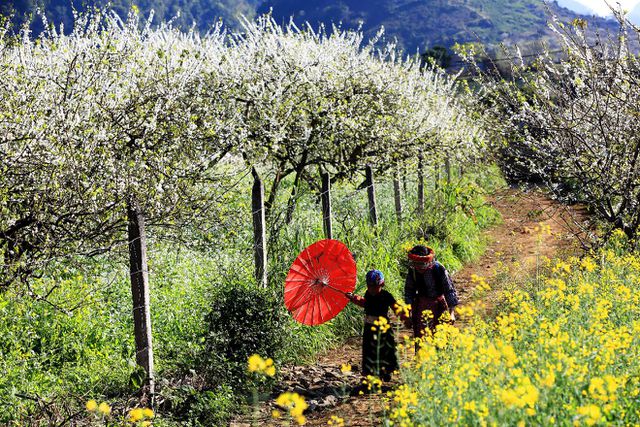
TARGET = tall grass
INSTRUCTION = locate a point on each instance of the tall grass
(78, 345)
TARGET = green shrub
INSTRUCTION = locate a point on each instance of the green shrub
(244, 320)
(191, 407)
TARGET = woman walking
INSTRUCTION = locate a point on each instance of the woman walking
(429, 290)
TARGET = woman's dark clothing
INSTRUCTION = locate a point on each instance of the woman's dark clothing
(378, 348)
(429, 284)
(421, 320)
(428, 291)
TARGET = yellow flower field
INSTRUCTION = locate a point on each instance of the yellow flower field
(565, 351)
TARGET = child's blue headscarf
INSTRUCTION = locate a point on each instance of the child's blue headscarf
(375, 277)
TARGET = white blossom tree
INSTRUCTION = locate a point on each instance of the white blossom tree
(118, 126)
(103, 131)
(570, 119)
(316, 102)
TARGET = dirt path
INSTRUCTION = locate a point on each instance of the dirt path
(533, 227)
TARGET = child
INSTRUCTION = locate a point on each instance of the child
(378, 343)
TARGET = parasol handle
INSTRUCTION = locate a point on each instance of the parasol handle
(336, 289)
(309, 297)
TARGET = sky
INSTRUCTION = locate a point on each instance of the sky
(600, 7)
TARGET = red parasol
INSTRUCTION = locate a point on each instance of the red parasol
(314, 290)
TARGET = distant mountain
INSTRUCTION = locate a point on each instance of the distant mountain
(416, 24)
(203, 13)
(421, 24)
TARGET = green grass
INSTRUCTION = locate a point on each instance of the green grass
(79, 345)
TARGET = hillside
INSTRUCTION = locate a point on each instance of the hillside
(416, 24)
(420, 24)
(203, 13)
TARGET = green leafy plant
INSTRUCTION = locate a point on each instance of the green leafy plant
(244, 320)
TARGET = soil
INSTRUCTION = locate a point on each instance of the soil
(533, 227)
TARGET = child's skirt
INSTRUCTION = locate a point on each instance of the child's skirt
(378, 352)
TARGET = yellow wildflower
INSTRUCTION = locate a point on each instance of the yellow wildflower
(104, 409)
(135, 415)
(270, 370)
(373, 383)
(261, 366)
(336, 421)
(91, 405)
(523, 395)
(562, 267)
(294, 403)
(543, 229)
(255, 363)
(549, 380)
(382, 324)
(470, 406)
(590, 413)
(480, 282)
(464, 311)
(588, 265)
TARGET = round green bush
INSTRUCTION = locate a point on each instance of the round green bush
(244, 320)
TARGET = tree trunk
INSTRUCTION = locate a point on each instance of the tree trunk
(405, 184)
(397, 196)
(140, 293)
(259, 233)
(326, 205)
(371, 192)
